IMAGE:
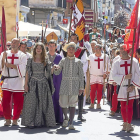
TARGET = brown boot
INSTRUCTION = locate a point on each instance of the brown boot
(98, 106)
(129, 128)
(7, 123)
(91, 106)
(15, 123)
(124, 126)
(112, 113)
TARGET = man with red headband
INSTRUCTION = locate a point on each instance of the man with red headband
(120, 74)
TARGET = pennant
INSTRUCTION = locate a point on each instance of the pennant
(78, 19)
(3, 32)
(133, 24)
(134, 17)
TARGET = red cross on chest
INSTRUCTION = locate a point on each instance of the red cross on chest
(12, 58)
(98, 60)
(126, 67)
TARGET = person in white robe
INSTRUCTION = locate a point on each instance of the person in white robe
(120, 74)
(13, 72)
(23, 48)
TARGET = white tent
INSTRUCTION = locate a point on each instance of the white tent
(28, 29)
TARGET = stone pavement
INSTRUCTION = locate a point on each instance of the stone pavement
(99, 126)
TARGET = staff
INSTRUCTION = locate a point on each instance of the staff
(70, 21)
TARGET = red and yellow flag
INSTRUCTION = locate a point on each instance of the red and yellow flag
(78, 25)
(133, 24)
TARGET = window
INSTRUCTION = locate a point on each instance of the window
(108, 12)
(104, 1)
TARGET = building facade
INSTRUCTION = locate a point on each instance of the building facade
(51, 11)
(24, 10)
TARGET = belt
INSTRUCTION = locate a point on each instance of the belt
(7, 77)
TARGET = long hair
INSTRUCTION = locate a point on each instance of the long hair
(43, 54)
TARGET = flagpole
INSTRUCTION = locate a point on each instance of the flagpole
(45, 29)
(129, 81)
(104, 62)
(70, 20)
(42, 32)
(4, 47)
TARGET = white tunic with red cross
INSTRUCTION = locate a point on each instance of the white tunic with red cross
(15, 84)
(28, 55)
(121, 68)
(96, 69)
(110, 81)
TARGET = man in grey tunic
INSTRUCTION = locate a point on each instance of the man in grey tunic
(72, 83)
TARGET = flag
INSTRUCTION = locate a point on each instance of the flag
(133, 24)
(134, 17)
(137, 44)
(78, 19)
(3, 32)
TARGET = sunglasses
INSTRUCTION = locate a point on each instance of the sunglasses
(8, 45)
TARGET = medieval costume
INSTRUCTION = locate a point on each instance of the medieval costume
(28, 55)
(120, 69)
(113, 94)
(38, 107)
(82, 55)
(72, 81)
(97, 70)
(13, 84)
(55, 59)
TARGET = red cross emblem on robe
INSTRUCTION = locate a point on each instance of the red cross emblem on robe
(12, 58)
(125, 65)
(98, 60)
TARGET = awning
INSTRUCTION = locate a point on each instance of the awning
(29, 29)
(63, 28)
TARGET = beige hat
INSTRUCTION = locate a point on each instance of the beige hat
(71, 44)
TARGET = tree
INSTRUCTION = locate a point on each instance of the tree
(121, 19)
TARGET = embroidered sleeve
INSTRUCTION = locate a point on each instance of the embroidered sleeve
(61, 63)
(81, 76)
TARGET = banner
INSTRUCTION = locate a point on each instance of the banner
(3, 32)
(78, 20)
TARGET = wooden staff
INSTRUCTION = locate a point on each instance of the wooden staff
(104, 63)
(42, 32)
(4, 48)
(129, 81)
(45, 29)
(70, 21)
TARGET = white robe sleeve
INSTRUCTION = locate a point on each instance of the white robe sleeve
(21, 68)
(136, 79)
(84, 60)
(118, 78)
(61, 54)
